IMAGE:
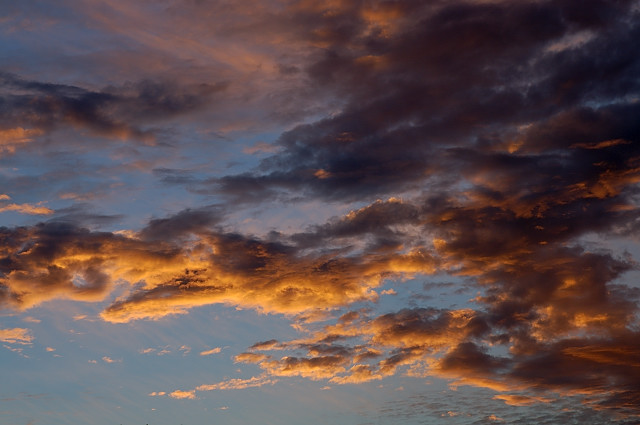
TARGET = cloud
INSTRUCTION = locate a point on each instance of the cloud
(26, 209)
(238, 384)
(260, 147)
(268, 276)
(115, 112)
(534, 297)
(520, 400)
(16, 336)
(481, 140)
(191, 266)
(12, 138)
(183, 395)
(108, 359)
(58, 260)
(387, 140)
(212, 351)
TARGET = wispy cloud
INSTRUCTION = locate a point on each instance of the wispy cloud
(238, 384)
(212, 351)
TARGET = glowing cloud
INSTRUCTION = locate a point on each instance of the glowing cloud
(212, 351)
(16, 336)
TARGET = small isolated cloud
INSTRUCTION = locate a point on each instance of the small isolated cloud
(238, 384)
(185, 349)
(212, 351)
(146, 350)
(93, 361)
(157, 394)
(223, 408)
(16, 336)
(180, 395)
(389, 292)
(50, 349)
(30, 319)
(108, 359)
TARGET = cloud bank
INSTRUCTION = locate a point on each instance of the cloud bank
(487, 141)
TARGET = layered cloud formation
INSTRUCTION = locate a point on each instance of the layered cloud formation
(491, 142)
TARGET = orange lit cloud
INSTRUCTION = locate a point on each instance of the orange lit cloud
(520, 400)
(11, 138)
(238, 384)
(181, 395)
(16, 336)
(212, 351)
(26, 209)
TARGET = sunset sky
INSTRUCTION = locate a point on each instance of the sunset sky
(319, 212)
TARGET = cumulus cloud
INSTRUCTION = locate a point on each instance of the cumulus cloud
(182, 395)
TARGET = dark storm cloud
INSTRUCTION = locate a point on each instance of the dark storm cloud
(378, 220)
(116, 112)
(82, 214)
(483, 76)
(182, 224)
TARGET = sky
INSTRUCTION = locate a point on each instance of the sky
(364, 212)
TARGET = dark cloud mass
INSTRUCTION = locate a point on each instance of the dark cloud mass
(483, 140)
(114, 112)
(486, 77)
